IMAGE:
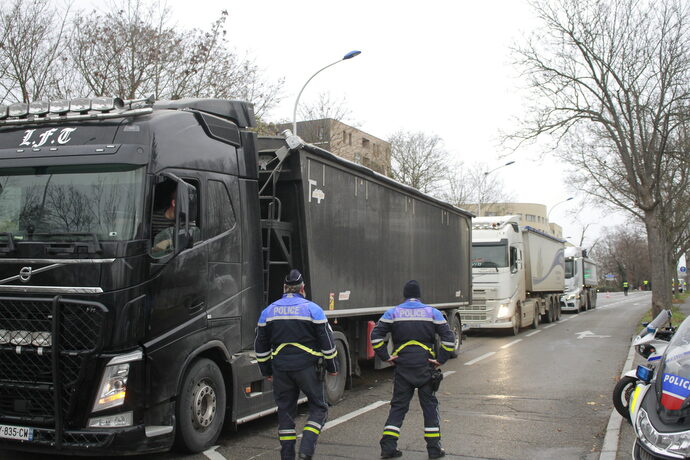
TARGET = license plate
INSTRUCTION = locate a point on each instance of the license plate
(16, 432)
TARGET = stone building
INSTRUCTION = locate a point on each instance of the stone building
(531, 214)
(346, 141)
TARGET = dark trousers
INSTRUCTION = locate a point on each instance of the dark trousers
(404, 384)
(286, 388)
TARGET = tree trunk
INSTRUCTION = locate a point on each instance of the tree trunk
(661, 288)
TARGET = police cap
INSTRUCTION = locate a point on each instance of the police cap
(294, 278)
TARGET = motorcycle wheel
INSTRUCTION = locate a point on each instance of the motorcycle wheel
(621, 395)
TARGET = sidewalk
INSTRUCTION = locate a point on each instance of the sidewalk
(627, 434)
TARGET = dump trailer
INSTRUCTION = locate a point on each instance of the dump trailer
(581, 280)
(517, 275)
(139, 242)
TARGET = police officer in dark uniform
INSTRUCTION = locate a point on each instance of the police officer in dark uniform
(292, 336)
(413, 327)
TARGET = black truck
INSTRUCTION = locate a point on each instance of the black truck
(140, 240)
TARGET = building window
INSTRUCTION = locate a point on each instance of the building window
(358, 157)
(530, 218)
(349, 139)
(365, 143)
(322, 133)
(344, 136)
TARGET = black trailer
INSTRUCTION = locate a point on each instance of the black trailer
(110, 333)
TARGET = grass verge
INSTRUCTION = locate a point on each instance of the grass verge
(677, 316)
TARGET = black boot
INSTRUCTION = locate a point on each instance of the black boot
(395, 454)
(304, 457)
(439, 454)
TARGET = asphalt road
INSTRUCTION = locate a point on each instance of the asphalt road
(545, 394)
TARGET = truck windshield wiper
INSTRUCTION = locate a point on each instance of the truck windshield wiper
(67, 242)
(488, 263)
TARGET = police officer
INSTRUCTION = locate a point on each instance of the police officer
(293, 334)
(413, 327)
(625, 287)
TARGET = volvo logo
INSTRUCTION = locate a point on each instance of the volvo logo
(25, 274)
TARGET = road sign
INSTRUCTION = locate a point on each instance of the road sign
(610, 276)
(683, 269)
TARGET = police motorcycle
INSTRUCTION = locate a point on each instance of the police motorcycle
(660, 403)
(650, 343)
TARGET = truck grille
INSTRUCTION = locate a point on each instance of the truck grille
(469, 317)
(27, 382)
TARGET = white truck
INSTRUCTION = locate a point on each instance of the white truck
(580, 281)
(517, 275)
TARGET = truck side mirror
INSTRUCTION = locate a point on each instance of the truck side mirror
(185, 213)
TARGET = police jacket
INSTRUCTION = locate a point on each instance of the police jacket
(413, 327)
(292, 334)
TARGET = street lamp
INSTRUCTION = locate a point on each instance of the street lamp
(481, 186)
(560, 202)
(349, 55)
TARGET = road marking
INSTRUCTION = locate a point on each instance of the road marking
(564, 320)
(212, 454)
(533, 333)
(447, 373)
(476, 360)
(590, 334)
(510, 344)
(609, 448)
(353, 414)
(550, 325)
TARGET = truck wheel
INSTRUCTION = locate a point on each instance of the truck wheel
(548, 317)
(517, 322)
(335, 384)
(201, 407)
(456, 327)
(535, 319)
(621, 395)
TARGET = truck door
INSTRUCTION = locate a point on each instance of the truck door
(517, 278)
(178, 292)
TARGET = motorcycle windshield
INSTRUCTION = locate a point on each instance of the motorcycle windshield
(673, 379)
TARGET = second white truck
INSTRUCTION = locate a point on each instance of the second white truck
(580, 281)
(517, 275)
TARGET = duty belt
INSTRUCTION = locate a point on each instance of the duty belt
(414, 342)
(304, 348)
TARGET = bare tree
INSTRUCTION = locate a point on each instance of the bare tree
(418, 160)
(33, 36)
(471, 185)
(611, 83)
(132, 50)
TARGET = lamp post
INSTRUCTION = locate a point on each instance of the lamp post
(481, 186)
(349, 55)
(560, 202)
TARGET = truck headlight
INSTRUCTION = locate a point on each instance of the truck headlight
(113, 387)
(503, 311)
(573, 296)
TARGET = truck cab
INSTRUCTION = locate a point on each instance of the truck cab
(580, 281)
(497, 273)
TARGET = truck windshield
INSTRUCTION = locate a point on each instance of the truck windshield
(44, 203)
(570, 268)
(489, 255)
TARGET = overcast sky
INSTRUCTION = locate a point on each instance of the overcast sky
(443, 67)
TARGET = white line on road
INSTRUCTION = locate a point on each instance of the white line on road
(476, 360)
(353, 414)
(564, 320)
(447, 373)
(550, 325)
(510, 344)
(212, 454)
(609, 448)
(533, 333)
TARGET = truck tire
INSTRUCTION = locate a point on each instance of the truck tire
(334, 385)
(548, 317)
(535, 319)
(517, 322)
(456, 327)
(201, 407)
(621, 395)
